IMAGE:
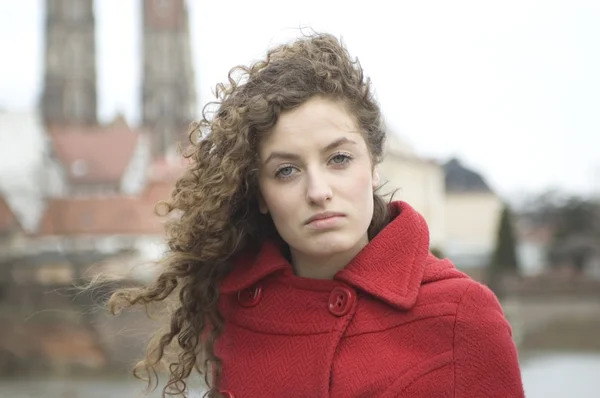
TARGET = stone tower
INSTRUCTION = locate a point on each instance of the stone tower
(168, 93)
(69, 93)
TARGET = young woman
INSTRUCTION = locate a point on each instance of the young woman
(290, 276)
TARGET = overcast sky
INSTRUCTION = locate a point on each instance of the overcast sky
(511, 87)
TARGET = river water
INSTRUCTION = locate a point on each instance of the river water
(544, 376)
(562, 376)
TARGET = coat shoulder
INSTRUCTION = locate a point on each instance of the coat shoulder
(444, 283)
(485, 355)
(485, 359)
(443, 274)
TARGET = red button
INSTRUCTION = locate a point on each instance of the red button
(340, 301)
(250, 297)
(226, 394)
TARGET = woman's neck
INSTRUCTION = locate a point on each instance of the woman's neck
(323, 267)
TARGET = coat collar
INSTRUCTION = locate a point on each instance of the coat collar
(390, 267)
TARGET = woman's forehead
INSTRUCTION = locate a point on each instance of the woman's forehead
(317, 119)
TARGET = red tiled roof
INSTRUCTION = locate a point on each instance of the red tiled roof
(101, 216)
(96, 154)
(8, 220)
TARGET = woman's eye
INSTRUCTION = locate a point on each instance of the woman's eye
(284, 172)
(340, 158)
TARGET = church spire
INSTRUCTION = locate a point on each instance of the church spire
(168, 96)
(69, 93)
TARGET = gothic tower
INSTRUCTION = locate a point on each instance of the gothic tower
(168, 93)
(69, 93)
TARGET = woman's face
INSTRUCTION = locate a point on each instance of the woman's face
(316, 180)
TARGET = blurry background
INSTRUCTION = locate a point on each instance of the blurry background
(492, 111)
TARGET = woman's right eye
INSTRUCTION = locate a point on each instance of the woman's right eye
(284, 172)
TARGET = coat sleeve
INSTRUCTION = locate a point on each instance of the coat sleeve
(485, 357)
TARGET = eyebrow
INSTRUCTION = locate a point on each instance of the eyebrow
(292, 156)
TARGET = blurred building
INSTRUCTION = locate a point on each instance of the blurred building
(560, 235)
(23, 146)
(97, 160)
(534, 239)
(473, 212)
(419, 182)
(11, 233)
(461, 210)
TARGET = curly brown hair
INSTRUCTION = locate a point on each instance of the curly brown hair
(216, 200)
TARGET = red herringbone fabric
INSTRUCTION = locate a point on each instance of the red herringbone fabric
(410, 325)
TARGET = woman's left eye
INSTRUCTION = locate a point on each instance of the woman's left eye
(340, 158)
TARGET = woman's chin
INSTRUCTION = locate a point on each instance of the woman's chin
(331, 245)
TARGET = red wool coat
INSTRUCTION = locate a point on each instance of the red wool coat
(396, 322)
